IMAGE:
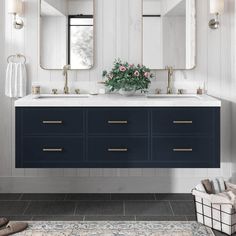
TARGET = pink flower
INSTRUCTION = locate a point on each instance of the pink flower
(131, 65)
(146, 74)
(122, 68)
(136, 73)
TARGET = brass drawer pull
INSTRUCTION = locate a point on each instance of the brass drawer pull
(117, 122)
(182, 149)
(117, 149)
(52, 122)
(52, 149)
(182, 121)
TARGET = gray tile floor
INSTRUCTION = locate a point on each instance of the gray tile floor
(98, 207)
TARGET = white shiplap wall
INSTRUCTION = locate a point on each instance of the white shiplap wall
(118, 34)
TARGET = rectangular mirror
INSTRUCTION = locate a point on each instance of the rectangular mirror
(67, 34)
(169, 34)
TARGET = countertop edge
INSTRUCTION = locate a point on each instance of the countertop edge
(117, 101)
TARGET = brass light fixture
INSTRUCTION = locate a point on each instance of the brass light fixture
(216, 8)
(15, 7)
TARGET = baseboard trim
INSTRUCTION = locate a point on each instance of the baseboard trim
(97, 185)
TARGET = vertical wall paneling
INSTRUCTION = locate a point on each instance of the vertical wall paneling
(5, 104)
(119, 34)
(232, 7)
(135, 31)
(32, 71)
(109, 32)
(122, 29)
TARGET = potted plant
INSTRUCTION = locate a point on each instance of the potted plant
(127, 78)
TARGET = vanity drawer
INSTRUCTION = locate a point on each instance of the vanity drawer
(126, 121)
(51, 151)
(186, 151)
(41, 121)
(114, 149)
(185, 121)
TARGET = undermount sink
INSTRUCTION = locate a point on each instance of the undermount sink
(174, 96)
(41, 96)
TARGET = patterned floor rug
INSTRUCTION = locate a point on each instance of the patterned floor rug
(116, 229)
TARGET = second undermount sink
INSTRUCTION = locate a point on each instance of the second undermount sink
(49, 96)
(174, 96)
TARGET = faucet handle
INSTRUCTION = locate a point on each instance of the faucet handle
(77, 91)
(180, 91)
(54, 91)
(199, 91)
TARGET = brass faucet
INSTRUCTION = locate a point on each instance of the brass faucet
(65, 73)
(170, 76)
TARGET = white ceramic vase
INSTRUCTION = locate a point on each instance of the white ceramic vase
(126, 93)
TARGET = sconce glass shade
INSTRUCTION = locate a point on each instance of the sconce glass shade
(216, 6)
(15, 7)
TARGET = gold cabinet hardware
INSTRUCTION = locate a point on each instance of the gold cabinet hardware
(52, 149)
(117, 122)
(117, 149)
(182, 121)
(182, 149)
(52, 122)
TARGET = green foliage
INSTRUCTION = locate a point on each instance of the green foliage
(127, 77)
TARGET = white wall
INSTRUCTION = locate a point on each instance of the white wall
(232, 89)
(118, 29)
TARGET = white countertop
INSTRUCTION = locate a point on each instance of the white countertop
(116, 100)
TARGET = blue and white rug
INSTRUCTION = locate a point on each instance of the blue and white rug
(116, 229)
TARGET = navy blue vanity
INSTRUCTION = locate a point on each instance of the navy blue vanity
(117, 137)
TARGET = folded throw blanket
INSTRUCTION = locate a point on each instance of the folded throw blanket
(228, 196)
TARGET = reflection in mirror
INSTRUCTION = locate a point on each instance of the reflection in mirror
(66, 34)
(169, 34)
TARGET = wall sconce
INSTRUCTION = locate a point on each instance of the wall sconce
(15, 8)
(216, 8)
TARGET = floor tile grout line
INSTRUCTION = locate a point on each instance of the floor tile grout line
(124, 208)
(61, 200)
(171, 208)
(155, 197)
(114, 216)
(26, 208)
(20, 197)
(75, 210)
(33, 215)
(65, 198)
(97, 200)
